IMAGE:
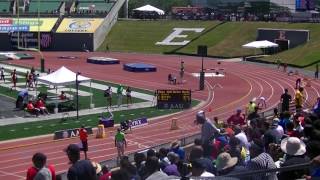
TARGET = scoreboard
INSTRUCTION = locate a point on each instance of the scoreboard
(173, 99)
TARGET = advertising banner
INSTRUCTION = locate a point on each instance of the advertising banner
(70, 133)
(27, 24)
(79, 25)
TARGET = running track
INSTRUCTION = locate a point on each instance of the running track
(241, 84)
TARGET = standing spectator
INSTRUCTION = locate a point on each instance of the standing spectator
(316, 73)
(153, 169)
(108, 95)
(128, 94)
(22, 98)
(119, 94)
(2, 74)
(261, 160)
(251, 107)
(176, 148)
(295, 150)
(253, 116)
(84, 140)
(39, 171)
(208, 130)
(285, 101)
(14, 78)
(236, 119)
(299, 98)
(120, 142)
(80, 169)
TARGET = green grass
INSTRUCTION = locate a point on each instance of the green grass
(141, 36)
(47, 127)
(225, 40)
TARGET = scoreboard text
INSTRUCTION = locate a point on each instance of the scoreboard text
(173, 99)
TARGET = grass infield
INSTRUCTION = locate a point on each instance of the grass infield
(50, 126)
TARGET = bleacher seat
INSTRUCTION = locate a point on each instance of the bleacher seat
(4, 6)
(45, 6)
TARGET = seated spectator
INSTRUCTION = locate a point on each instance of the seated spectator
(198, 169)
(62, 96)
(162, 155)
(227, 165)
(295, 150)
(273, 134)
(41, 106)
(196, 153)
(236, 119)
(260, 160)
(153, 169)
(140, 162)
(235, 149)
(31, 109)
(126, 165)
(119, 174)
(172, 169)
(291, 132)
(39, 170)
(175, 147)
(106, 173)
(220, 144)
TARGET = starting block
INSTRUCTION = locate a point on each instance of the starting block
(174, 124)
(100, 132)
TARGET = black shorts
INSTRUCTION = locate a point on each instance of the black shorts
(84, 145)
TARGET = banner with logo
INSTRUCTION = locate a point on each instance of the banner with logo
(70, 133)
(79, 25)
(27, 24)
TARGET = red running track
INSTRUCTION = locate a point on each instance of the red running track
(242, 82)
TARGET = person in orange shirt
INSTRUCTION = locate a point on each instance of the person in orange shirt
(84, 140)
(32, 109)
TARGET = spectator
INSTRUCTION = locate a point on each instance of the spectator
(162, 155)
(208, 130)
(295, 150)
(285, 101)
(176, 148)
(260, 160)
(80, 169)
(31, 109)
(140, 162)
(196, 153)
(235, 149)
(273, 135)
(41, 106)
(83, 134)
(129, 168)
(227, 165)
(22, 97)
(14, 78)
(153, 169)
(239, 134)
(253, 116)
(251, 106)
(39, 170)
(198, 169)
(172, 169)
(106, 173)
(62, 96)
(236, 119)
(120, 175)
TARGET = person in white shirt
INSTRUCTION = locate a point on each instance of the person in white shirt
(153, 168)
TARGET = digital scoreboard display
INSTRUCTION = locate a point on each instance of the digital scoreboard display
(173, 99)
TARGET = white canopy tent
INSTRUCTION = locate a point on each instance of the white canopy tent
(260, 44)
(62, 77)
(149, 8)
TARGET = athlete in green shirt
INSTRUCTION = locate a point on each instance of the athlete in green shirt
(120, 142)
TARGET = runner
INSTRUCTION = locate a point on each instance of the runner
(14, 78)
(181, 71)
(120, 142)
(2, 75)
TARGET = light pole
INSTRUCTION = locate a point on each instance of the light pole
(77, 93)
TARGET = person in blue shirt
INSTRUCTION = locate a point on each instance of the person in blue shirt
(175, 147)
